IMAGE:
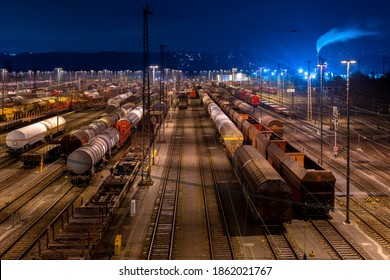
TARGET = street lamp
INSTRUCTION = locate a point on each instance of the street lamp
(153, 67)
(234, 70)
(59, 72)
(348, 62)
(321, 66)
(105, 84)
(261, 94)
(309, 100)
(3, 94)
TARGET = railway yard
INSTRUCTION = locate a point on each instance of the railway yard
(218, 180)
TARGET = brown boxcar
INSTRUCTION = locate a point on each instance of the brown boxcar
(268, 195)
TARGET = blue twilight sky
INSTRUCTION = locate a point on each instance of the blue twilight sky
(279, 31)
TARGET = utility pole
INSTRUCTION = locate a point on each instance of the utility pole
(146, 99)
(336, 127)
(321, 65)
(279, 85)
(162, 98)
(59, 73)
(309, 101)
(348, 62)
(3, 117)
(261, 93)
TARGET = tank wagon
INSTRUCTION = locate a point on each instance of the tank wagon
(268, 195)
(116, 102)
(81, 136)
(86, 161)
(22, 139)
(230, 134)
(243, 121)
(126, 124)
(274, 124)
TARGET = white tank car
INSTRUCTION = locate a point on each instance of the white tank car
(115, 102)
(84, 158)
(133, 117)
(52, 123)
(31, 134)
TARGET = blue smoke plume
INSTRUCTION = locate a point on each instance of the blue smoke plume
(343, 34)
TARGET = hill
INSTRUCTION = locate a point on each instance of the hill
(75, 61)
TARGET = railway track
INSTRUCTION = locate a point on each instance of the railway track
(374, 220)
(36, 186)
(370, 179)
(11, 174)
(361, 181)
(33, 207)
(281, 247)
(6, 161)
(30, 232)
(220, 245)
(163, 230)
(374, 225)
(341, 246)
(366, 183)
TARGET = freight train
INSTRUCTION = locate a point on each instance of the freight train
(128, 123)
(83, 135)
(84, 162)
(19, 107)
(89, 159)
(183, 100)
(116, 102)
(273, 123)
(253, 99)
(23, 139)
(312, 185)
(268, 195)
(247, 96)
(29, 108)
(25, 111)
(230, 134)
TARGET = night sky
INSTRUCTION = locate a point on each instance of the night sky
(278, 31)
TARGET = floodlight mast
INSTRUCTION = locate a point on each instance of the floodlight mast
(348, 62)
